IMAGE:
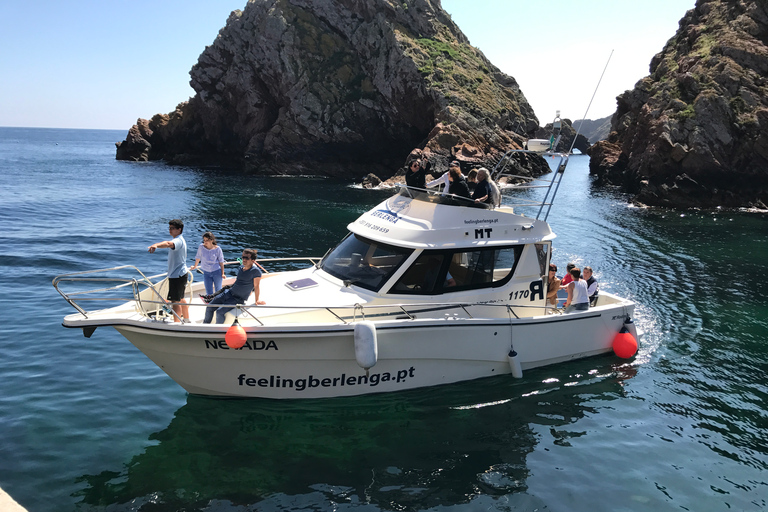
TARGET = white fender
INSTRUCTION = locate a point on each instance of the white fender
(366, 346)
(630, 325)
(514, 364)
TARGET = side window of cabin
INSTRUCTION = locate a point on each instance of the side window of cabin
(436, 272)
(422, 276)
(542, 253)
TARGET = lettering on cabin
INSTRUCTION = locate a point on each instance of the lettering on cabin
(483, 233)
(535, 289)
(374, 227)
(387, 215)
(372, 379)
(249, 345)
(481, 221)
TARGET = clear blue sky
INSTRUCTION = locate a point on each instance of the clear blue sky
(103, 64)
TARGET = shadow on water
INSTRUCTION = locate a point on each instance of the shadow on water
(404, 451)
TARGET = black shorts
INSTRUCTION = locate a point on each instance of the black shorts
(176, 287)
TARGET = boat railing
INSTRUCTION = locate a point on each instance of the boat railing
(505, 173)
(148, 291)
(506, 176)
(265, 315)
(110, 293)
(438, 196)
(148, 297)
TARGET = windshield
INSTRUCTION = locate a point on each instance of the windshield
(363, 262)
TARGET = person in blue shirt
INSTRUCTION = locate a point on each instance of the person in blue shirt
(247, 281)
(177, 268)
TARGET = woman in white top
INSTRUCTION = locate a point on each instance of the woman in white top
(444, 179)
(212, 263)
(578, 298)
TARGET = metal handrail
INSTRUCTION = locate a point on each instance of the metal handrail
(500, 171)
(88, 276)
(369, 311)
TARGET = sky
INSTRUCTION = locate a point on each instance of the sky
(104, 64)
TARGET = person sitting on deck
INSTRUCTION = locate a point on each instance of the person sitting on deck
(483, 190)
(458, 189)
(444, 179)
(472, 180)
(247, 281)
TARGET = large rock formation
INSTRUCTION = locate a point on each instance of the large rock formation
(695, 132)
(594, 130)
(567, 134)
(339, 86)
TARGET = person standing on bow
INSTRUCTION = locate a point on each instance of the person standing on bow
(210, 259)
(177, 268)
(248, 280)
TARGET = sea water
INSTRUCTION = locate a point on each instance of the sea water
(92, 424)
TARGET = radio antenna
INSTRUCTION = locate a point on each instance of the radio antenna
(590, 103)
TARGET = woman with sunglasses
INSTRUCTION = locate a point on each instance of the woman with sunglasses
(553, 285)
(247, 281)
(416, 175)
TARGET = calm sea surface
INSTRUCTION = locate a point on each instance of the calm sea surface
(92, 424)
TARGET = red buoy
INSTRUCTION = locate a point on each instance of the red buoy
(235, 336)
(624, 344)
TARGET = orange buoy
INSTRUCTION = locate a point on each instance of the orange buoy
(624, 344)
(235, 336)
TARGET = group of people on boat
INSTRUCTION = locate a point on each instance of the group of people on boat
(477, 189)
(581, 288)
(210, 260)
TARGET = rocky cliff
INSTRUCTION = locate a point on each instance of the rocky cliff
(338, 86)
(695, 132)
(567, 133)
(594, 130)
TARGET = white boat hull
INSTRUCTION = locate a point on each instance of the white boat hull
(319, 362)
(538, 145)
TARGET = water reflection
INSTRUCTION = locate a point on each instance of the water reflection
(415, 450)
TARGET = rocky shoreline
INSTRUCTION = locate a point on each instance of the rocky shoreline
(341, 88)
(348, 88)
(694, 133)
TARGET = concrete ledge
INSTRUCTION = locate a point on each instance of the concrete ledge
(7, 504)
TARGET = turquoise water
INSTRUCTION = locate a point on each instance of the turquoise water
(92, 424)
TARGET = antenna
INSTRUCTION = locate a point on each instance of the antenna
(590, 103)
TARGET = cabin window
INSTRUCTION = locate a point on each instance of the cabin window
(542, 254)
(436, 272)
(364, 262)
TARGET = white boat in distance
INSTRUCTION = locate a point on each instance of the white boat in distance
(421, 292)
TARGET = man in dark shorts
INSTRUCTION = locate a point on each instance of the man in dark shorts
(247, 281)
(177, 268)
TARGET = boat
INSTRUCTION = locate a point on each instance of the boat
(538, 145)
(547, 145)
(423, 291)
